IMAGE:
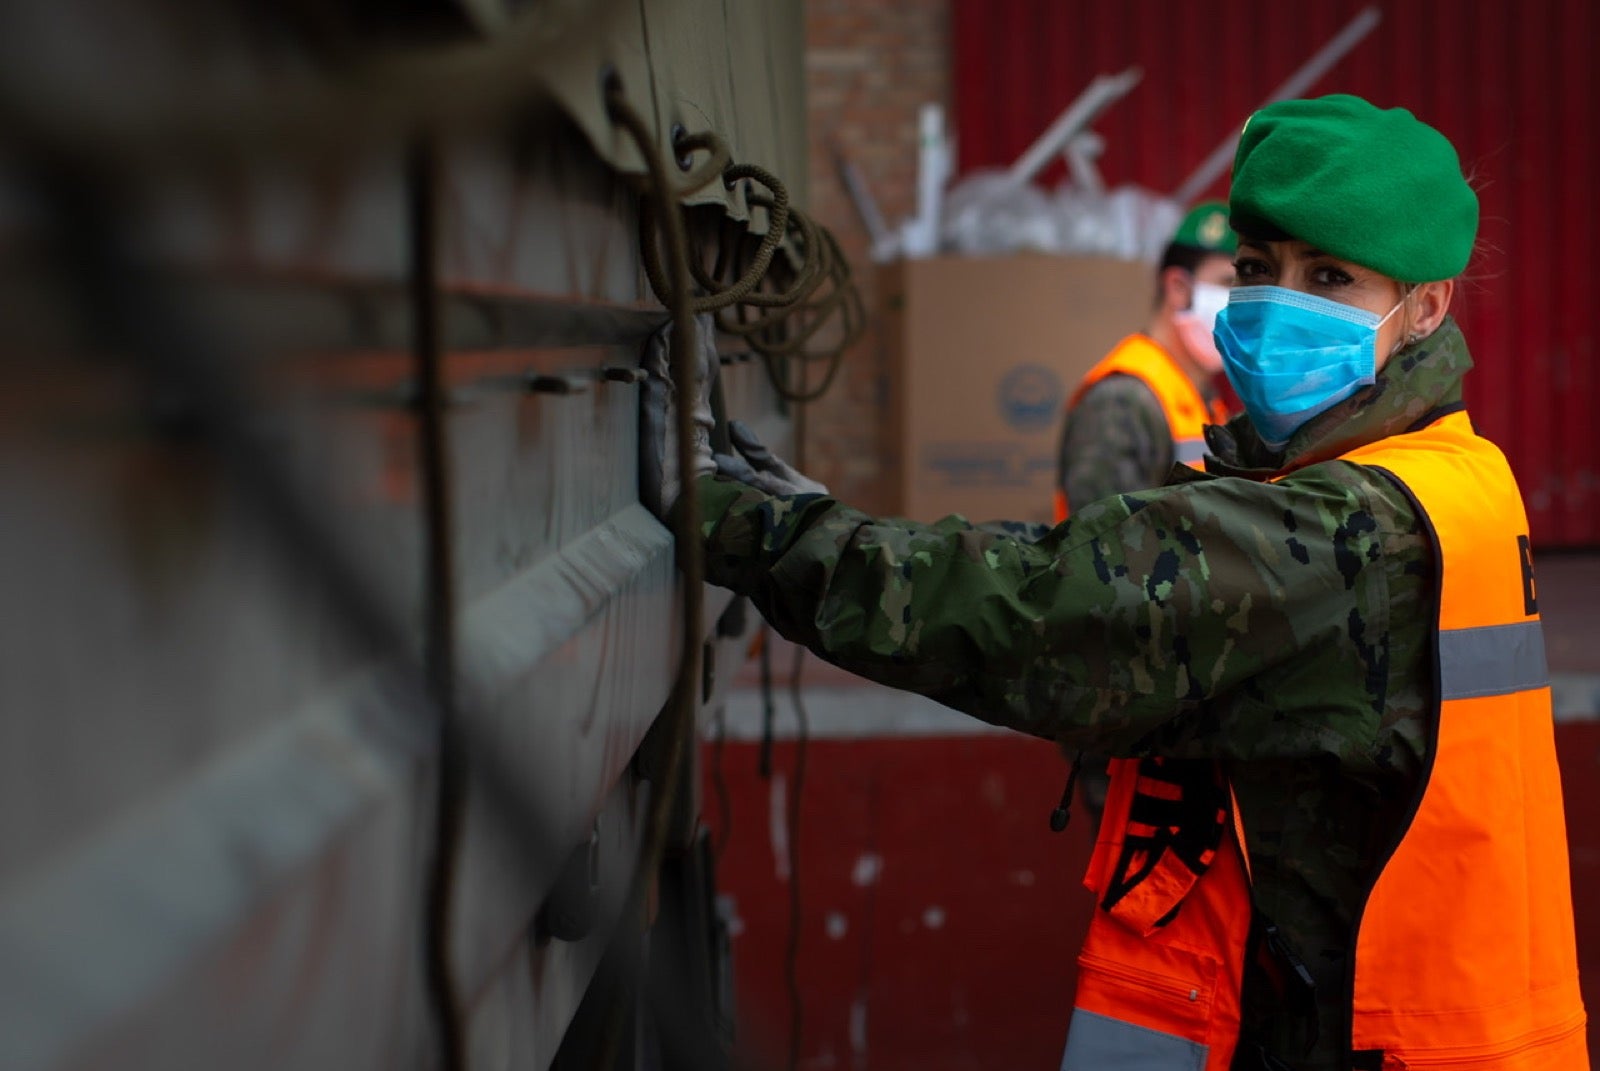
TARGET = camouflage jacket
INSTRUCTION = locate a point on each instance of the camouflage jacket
(1281, 628)
(1115, 439)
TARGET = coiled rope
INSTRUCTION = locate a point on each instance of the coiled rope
(794, 315)
(783, 322)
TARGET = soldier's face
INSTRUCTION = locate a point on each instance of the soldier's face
(1178, 285)
(1297, 265)
(1216, 270)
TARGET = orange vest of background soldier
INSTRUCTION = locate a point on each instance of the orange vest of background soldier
(1187, 411)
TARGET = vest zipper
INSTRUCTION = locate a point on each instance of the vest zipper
(1194, 994)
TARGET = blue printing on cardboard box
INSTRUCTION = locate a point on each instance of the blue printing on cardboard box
(1030, 397)
(958, 463)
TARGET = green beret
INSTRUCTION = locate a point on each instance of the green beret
(1206, 227)
(1377, 187)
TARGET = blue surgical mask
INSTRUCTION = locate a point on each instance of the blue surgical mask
(1292, 355)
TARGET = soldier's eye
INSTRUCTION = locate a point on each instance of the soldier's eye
(1249, 269)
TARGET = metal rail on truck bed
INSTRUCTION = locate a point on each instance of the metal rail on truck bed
(320, 402)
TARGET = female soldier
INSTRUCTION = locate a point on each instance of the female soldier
(1345, 845)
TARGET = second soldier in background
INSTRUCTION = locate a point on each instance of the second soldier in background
(1142, 408)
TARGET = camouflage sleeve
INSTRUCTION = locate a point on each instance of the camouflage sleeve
(1112, 631)
(1115, 439)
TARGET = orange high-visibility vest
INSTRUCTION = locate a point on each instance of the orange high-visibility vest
(1465, 956)
(1186, 410)
(1153, 992)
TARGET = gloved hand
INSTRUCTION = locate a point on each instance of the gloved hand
(761, 468)
(659, 480)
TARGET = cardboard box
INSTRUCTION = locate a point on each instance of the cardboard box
(983, 353)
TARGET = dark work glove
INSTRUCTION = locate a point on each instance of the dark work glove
(659, 480)
(761, 468)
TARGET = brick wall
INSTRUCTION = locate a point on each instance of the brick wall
(870, 65)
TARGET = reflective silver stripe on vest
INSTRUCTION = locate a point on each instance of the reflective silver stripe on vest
(1188, 450)
(1100, 1043)
(1493, 660)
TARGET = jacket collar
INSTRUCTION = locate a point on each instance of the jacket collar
(1420, 379)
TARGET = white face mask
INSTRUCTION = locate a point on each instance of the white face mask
(1196, 323)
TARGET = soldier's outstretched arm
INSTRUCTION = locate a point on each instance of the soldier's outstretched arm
(1110, 631)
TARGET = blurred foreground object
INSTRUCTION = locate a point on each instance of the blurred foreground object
(336, 643)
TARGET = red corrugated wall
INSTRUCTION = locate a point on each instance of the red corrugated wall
(1513, 86)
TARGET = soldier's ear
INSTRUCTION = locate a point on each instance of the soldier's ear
(1430, 302)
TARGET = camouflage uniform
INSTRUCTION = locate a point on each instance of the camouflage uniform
(1115, 439)
(1281, 628)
